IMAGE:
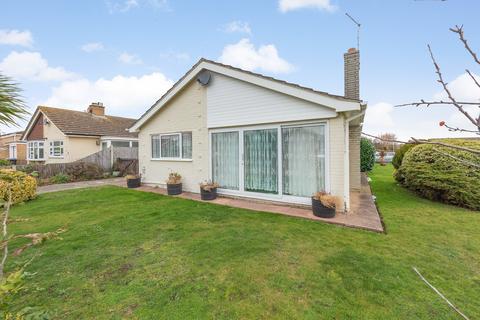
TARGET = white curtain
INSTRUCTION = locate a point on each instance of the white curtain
(303, 160)
(187, 145)
(261, 160)
(225, 159)
(170, 145)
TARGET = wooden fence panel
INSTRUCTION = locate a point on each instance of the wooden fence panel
(125, 153)
(102, 158)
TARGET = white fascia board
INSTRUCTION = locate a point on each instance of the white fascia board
(103, 138)
(338, 105)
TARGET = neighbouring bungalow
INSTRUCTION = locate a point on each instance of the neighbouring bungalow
(56, 135)
(12, 147)
(256, 136)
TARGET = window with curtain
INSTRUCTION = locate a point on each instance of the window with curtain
(56, 148)
(35, 150)
(261, 160)
(225, 159)
(186, 145)
(172, 146)
(303, 160)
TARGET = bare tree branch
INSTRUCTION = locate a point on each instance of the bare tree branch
(457, 129)
(440, 80)
(473, 78)
(459, 30)
(465, 162)
(422, 141)
(430, 103)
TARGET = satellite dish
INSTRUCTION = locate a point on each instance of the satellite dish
(204, 78)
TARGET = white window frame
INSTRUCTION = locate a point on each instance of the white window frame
(35, 144)
(51, 149)
(180, 143)
(12, 151)
(280, 197)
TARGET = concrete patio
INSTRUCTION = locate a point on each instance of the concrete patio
(363, 213)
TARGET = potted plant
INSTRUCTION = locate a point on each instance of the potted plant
(133, 181)
(208, 190)
(174, 184)
(324, 204)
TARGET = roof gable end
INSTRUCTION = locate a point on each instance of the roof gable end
(337, 103)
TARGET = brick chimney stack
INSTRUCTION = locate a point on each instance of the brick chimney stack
(96, 108)
(352, 74)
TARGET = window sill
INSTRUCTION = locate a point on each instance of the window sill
(171, 159)
(54, 157)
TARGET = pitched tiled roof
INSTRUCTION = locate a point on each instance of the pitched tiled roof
(72, 122)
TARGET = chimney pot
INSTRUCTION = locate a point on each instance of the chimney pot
(352, 74)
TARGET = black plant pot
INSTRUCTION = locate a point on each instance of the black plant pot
(208, 195)
(174, 189)
(133, 183)
(321, 211)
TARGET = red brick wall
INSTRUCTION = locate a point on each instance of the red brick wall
(37, 130)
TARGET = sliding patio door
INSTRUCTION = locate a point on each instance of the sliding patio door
(225, 159)
(260, 153)
(303, 160)
(281, 162)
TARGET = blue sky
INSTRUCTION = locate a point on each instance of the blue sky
(126, 53)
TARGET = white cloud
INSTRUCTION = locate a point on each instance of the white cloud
(463, 89)
(16, 37)
(123, 6)
(379, 118)
(238, 26)
(121, 95)
(244, 55)
(129, 58)
(32, 66)
(92, 47)
(290, 5)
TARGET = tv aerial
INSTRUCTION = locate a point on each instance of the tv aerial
(358, 29)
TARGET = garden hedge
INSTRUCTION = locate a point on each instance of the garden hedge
(400, 153)
(439, 177)
(367, 155)
(24, 186)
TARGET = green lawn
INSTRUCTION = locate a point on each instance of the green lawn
(130, 254)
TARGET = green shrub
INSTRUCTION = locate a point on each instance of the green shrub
(400, 153)
(84, 171)
(367, 155)
(4, 162)
(24, 187)
(60, 178)
(436, 176)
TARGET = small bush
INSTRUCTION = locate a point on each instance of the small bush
(24, 186)
(435, 176)
(84, 171)
(60, 178)
(400, 153)
(4, 163)
(367, 155)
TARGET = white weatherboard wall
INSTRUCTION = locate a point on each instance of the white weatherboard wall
(233, 102)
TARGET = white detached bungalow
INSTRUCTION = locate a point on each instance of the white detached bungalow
(257, 136)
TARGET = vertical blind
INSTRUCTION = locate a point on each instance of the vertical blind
(303, 160)
(261, 161)
(225, 159)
